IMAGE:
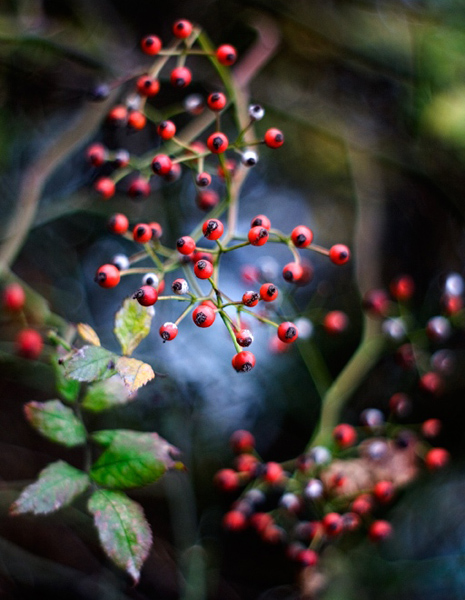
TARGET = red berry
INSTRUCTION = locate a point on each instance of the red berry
(362, 505)
(344, 435)
(29, 343)
(157, 230)
(197, 255)
(166, 130)
(287, 332)
(203, 269)
(339, 254)
(268, 292)
(168, 331)
(203, 315)
(161, 164)
(174, 173)
(142, 233)
(243, 361)
(139, 188)
(118, 223)
(180, 77)
(217, 142)
(379, 530)
(234, 520)
(376, 303)
(14, 297)
(185, 245)
(216, 101)
(118, 115)
(437, 458)
(105, 187)
(182, 29)
(244, 338)
(226, 54)
(307, 557)
(292, 272)
(400, 404)
(274, 138)
(250, 298)
(384, 491)
(147, 295)
(273, 472)
(203, 180)
(207, 199)
(180, 286)
(96, 154)
(258, 236)
(335, 322)
(147, 86)
(262, 221)
(246, 463)
(107, 276)
(213, 229)
(151, 45)
(260, 521)
(402, 288)
(227, 480)
(431, 383)
(431, 428)
(333, 524)
(301, 236)
(230, 168)
(241, 441)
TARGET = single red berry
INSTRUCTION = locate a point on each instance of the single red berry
(182, 29)
(216, 101)
(29, 343)
(287, 332)
(437, 458)
(307, 557)
(344, 435)
(262, 221)
(201, 255)
(161, 164)
(451, 304)
(203, 180)
(174, 173)
(118, 115)
(405, 357)
(166, 130)
(151, 44)
(339, 254)
(147, 86)
(301, 236)
(250, 298)
(376, 303)
(384, 491)
(352, 521)
(217, 142)
(234, 520)
(246, 463)
(213, 229)
(335, 322)
(146, 295)
(379, 530)
(226, 55)
(241, 441)
(168, 331)
(431, 383)
(185, 245)
(142, 233)
(292, 272)
(244, 338)
(203, 315)
(207, 199)
(402, 288)
(105, 187)
(209, 303)
(362, 505)
(273, 473)
(400, 404)
(431, 428)
(260, 521)
(274, 138)
(243, 361)
(107, 276)
(333, 524)
(139, 188)
(180, 77)
(96, 154)
(13, 297)
(203, 269)
(268, 292)
(157, 230)
(258, 236)
(118, 223)
(227, 480)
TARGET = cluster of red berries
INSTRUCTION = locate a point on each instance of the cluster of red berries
(218, 232)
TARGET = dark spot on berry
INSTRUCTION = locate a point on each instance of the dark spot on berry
(257, 222)
(211, 226)
(165, 335)
(262, 233)
(217, 142)
(200, 318)
(246, 367)
(301, 239)
(180, 243)
(100, 277)
(179, 82)
(139, 294)
(215, 97)
(177, 286)
(202, 264)
(271, 290)
(290, 333)
(279, 137)
(230, 57)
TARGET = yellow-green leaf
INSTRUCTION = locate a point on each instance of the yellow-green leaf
(56, 422)
(88, 334)
(132, 324)
(134, 373)
(105, 394)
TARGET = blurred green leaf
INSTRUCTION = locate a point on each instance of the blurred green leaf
(132, 324)
(105, 394)
(68, 389)
(57, 485)
(90, 363)
(56, 422)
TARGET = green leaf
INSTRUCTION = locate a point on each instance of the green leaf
(56, 422)
(132, 324)
(133, 372)
(57, 486)
(68, 389)
(90, 363)
(105, 394)
(131, 459)
(123, 530)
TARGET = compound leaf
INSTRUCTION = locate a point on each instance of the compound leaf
(134, 373)
(57, 486)
(123, 530)
(90, 363)
(88, 334)
(131, 458)
(56, 422)
(132, 324)
(105, 394)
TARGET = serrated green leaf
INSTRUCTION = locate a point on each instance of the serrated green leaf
(131, 459)
(90, 363)
(105, 394)
(133, 372)
(132, 324)
(57, 486)
(123, 530)
(68, 389)
(56, 422)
